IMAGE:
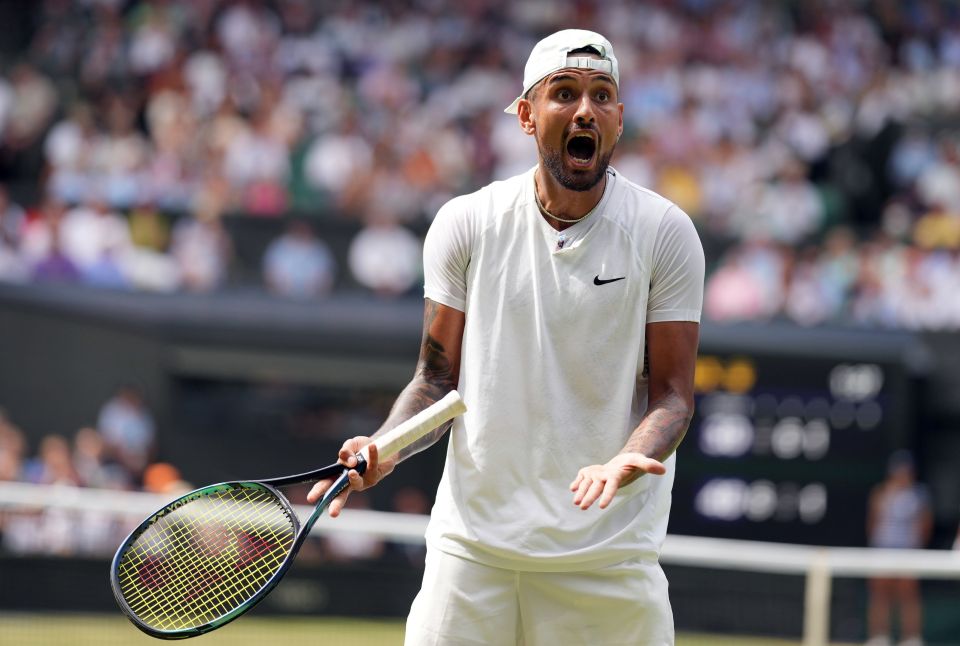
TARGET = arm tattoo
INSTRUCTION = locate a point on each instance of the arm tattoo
(435, 377)
(662, 428)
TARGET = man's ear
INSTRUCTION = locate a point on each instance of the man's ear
(525, 116)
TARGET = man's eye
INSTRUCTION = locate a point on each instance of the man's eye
(603, 96)
(564, 95)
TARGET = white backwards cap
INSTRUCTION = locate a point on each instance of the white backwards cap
(552, 54)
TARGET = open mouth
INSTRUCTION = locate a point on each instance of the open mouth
(581, 148)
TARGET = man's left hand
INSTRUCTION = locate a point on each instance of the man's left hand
(599, 482)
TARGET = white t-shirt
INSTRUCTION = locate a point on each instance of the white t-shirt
(551, 369)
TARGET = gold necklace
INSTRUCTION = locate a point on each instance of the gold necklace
(547, 213)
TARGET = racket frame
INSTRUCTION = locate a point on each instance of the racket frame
(301, 531)
(388, 444)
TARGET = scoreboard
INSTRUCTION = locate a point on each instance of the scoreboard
(786, 445)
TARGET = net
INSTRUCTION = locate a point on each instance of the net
(819, 595)
(722, 591)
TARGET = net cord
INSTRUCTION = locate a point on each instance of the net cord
(753, 556)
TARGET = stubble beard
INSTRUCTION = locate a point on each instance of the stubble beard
(578, 180)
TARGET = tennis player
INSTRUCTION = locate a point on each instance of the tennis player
(564, 304)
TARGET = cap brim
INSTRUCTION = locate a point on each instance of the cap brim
(513, 107)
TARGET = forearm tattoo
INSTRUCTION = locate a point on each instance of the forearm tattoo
(662, 428)
(436, 375)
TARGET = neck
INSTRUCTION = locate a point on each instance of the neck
(563, 202)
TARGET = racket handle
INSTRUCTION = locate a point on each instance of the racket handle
(408, 432)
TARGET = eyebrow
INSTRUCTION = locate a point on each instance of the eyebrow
(560, 78)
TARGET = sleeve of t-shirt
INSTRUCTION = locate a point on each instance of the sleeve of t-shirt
(676, 280)
(446, 255)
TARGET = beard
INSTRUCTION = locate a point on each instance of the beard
(574, 180)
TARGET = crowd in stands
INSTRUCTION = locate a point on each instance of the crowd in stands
(120, 453)
(816, 144)
(116, 454)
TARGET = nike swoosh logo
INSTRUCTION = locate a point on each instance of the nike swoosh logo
(603, 281)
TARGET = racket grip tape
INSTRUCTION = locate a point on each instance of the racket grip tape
(427, 420)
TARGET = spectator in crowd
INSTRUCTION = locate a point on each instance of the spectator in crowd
(41, 531)
(12, 447)
(938, 228)
(385, 257)
(805, 301)
(789, 208)
(93, 230)
(107, 271)
(92, 465)
(67, 150)
(149, 229)
(12, 219)
(201, 249)
(146, 264)
(12, 267)
(257, 161)
(164, 478)
(55, 265)
(899, 517)
(938, 185)
(95, 532)
(53, 464)
(128, 429)
(732, 292)
(6, 106)
(750, 284)
(297, 264)
(11, 467)
(34, 102)
(351, 150)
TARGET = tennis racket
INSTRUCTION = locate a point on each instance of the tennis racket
(212, 554)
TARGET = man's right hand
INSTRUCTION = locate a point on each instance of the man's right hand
(374, 473)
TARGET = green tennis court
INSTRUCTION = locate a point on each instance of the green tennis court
(103, 630)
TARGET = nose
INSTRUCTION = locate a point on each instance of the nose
(585, 112)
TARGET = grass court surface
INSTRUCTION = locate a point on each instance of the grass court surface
(106, 630)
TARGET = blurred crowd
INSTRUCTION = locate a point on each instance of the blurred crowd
(879, 281)
(117, 453)
(815, 144)
(120, 453)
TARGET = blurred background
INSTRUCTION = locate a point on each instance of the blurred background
(211, 220)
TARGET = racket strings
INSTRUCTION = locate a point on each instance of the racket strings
(189, 591)
(206, 558)
(211, 591)
(213, 587)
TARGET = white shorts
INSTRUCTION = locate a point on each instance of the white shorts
(463, 602)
